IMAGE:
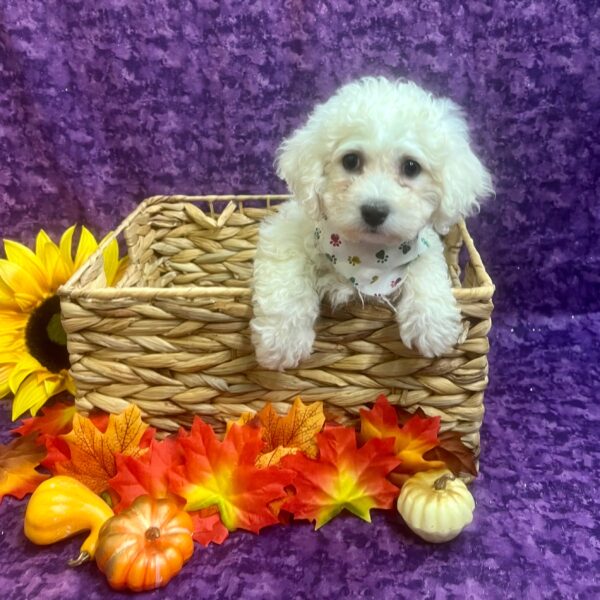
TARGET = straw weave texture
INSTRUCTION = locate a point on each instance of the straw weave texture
(173, 336)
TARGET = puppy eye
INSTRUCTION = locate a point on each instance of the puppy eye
(411, 168)
(351, 161)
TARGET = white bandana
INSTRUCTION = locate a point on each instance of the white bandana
(374, 270)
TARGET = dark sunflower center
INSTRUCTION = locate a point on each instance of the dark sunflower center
(45, 337)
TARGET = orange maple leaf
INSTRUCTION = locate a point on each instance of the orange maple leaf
(295, 432)
(18, 461)
(411, 441)
(344, 477)
(224, 474)
(92, 452)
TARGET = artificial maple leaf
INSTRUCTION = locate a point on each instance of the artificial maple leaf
(453, 453)
(208, 526)
(54, 420)
(411, 441)
(92, 453)
(18, 461)
(46, 428)
(295, 432)
(145, 474)
(224, 474)
(343, 477)
(247, 418)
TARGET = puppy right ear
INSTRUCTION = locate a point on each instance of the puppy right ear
(299, 163)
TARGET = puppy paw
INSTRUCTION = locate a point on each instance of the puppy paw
(432, 333)
(279, 345)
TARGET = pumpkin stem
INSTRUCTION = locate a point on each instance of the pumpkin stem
(440, 482)
(80, 560)
(152, 533)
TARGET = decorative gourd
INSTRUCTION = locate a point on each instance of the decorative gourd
(146, 545)
(436, 505)
(61, 507)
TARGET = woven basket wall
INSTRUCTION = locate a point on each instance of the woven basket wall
(173, 336)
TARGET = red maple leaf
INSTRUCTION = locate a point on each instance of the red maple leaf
(224, 474)
(54, 420)
(146, 474)
(344, 477)
(411, 441)
(208, 526)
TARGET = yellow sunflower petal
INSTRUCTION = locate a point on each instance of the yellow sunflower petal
(11, 345)
(12, 319)
(69, 383)
(25, 258)
(66, 247)
(31, 395)
(26, 290)
(26, 367)
(111, 261)
(5, 371)
(7, 298)
(86, 247)
(41, 239)
(59, 270)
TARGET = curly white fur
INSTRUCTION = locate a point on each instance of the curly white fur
(387, 126)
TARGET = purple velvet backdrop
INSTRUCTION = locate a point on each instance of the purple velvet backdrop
(105, 103)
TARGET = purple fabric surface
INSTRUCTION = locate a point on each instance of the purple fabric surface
(535, 534)
(105, 103)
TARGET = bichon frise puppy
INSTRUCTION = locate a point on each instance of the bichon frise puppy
(377, 173)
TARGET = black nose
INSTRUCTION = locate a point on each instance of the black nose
(374, 214)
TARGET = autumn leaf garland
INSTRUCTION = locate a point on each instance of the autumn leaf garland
(265, 467)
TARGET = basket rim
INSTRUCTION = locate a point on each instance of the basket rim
(73, 289)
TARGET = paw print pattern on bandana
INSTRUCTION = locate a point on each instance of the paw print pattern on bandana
(382, 256)
(374, 270)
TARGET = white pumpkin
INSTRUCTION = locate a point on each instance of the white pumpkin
(436, 505)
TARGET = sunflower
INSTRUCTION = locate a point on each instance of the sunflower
(34, 361)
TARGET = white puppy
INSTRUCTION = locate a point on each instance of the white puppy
(377, 173)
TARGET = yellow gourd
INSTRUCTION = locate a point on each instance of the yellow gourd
(61, 507)
(436, 505)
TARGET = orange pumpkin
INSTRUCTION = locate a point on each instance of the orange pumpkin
(146, 545)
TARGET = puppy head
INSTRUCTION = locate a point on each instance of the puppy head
(383, 159)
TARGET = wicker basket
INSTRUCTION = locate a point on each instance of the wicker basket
(173, 337)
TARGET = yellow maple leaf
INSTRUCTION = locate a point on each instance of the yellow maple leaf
(242, 420)
(296, 431)
(93, 452)
(18, 461)
(270, 459)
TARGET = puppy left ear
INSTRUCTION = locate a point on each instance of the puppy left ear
(465, 181)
